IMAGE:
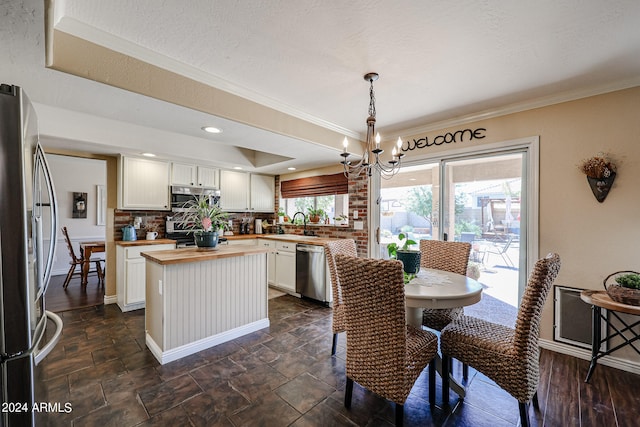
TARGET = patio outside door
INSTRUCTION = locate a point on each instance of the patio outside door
(478, 198)
(482, 203)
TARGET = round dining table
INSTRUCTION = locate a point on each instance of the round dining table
(433, 288)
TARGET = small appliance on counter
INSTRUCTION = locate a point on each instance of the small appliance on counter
(129, 233)
(257, 228)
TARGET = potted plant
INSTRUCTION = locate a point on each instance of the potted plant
(626, 288)
(600, 172)
(281, 215)
(410, 258)
(341, 220)
(315, 215)
(203, 220)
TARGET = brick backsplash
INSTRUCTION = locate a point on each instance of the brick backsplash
(149, 218)
(358, 191)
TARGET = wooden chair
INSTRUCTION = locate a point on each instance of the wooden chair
(384, 354)
(331, 249)
(448, 256)
(509, 356)
(78, 261)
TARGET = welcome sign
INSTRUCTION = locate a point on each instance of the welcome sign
(447, 138)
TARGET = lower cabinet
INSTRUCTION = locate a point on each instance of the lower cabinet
(285, 266)
(131, 276)
(271, 260)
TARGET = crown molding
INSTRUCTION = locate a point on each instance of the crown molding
(524, 106)
(97, 36)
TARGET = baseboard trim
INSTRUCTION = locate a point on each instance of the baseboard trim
(185, 350)
(580, 353)
(110, 299)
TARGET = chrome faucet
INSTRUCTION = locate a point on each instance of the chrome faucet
(304, 220)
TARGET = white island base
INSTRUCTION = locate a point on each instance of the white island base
(196, 300)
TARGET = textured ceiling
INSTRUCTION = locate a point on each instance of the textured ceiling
(437, 60)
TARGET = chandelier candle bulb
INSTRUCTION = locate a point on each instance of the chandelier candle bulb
(345, 143)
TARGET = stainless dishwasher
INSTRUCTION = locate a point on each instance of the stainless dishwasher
(311, 272)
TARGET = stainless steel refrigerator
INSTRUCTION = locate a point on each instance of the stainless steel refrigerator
(28, 233)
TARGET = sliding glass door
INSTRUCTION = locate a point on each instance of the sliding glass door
(481, 197)
(482, 200)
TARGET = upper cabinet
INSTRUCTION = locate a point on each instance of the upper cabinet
(192, 175)
(208, 177)
(241, 191)
(262, 193)
(144, 184)
(234, 191)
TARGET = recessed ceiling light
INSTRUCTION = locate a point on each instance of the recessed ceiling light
(148, 154)
(412, 179)
(237, 167)
(211, 129)
(291, 169)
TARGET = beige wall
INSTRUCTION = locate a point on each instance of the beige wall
(593, 239)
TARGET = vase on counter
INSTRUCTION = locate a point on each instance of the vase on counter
(206, 239)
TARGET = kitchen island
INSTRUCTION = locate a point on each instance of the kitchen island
(196, 299)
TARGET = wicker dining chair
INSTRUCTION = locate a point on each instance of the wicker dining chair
(384, 354)
(508, 356)
(331, 249)
(448, 256)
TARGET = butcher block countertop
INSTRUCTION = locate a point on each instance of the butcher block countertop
(145, 242)
(179, 256)
(296, 238)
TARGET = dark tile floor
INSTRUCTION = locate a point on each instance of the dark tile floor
(280, 376)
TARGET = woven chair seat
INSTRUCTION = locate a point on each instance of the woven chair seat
(509, 356)
(438, 318)
(339, 320)
(488, 347)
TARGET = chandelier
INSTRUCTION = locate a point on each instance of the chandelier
(370, 159)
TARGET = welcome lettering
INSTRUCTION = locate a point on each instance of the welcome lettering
(447, 138)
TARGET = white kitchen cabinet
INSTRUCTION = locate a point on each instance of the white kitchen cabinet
(144, 184)
(262, 193)
(130, 274)
(241, 191)
(271, 259)
(285, 277)
(194, 175)
(234, 191)
(208, 177)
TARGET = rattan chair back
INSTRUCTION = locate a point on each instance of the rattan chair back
(380, 356)
(448, 256)
(331, 249)
(508, 356)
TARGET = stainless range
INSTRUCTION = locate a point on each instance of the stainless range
(175, 230)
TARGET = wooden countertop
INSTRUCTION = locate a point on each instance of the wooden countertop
(179, 256)
(145, 242)
(295, 238)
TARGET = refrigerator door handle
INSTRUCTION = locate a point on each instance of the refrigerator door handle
(41, 161)
(44, 351)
